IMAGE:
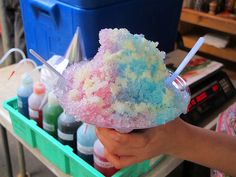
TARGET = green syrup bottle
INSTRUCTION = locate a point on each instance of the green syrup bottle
(51, 112)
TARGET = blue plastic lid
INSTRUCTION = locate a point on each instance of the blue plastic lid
(90, 4)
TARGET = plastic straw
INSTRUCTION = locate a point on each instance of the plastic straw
(18, 65)
(186, 60)
(24, 59)
(9, 52)
(36, 69)
(45, 62)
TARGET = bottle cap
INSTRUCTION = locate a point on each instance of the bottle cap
(52, 99)
(26, 79)
(67, 118)
(39, 88)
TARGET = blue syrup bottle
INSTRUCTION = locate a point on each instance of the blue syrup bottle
(23, 93)
(86, 138)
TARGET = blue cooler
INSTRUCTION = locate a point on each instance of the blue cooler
(50, 24)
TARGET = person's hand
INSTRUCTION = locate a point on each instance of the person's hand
(126, 149)
(176, 138)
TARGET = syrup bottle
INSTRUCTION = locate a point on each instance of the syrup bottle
(86, 136)
(100, 161)
(23, 93)
(51, 112)
(35, 103)
(67, 128)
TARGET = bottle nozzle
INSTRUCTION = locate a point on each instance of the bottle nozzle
(39, 88)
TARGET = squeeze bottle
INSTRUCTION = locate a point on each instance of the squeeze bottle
(51, 112)
(67, 127)
(100, 161)
(86, 137)
(35, 103)
(23, 93)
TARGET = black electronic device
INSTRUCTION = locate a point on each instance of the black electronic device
(207, 95)
(209, 85)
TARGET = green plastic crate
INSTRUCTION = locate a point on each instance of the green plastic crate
(60, 155)
(22, 127)
(52, 149)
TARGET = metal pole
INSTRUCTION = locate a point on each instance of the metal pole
(5, 30)
(6, 150)
(21, 160)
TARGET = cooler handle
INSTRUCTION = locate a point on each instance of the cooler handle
(44, 6)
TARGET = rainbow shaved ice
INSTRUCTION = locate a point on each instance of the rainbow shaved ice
(124, 86)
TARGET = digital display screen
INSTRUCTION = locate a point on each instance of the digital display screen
(201, 97)
(215, 88)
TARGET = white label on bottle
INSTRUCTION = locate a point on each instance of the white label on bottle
(48, 127)
(65, 136)
(33, 114)
(102, 163)
(20, 103)
(84, 149)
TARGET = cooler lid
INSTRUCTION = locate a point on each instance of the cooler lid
(90, 4)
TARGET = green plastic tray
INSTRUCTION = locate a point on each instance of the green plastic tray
(60, 155)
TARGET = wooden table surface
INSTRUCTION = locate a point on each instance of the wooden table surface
(8, 90)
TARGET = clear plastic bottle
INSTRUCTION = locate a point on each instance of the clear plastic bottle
(100, 161)
(36, 101)
(23, 93)
(86, 136)
(51, 113)
(67, 128)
